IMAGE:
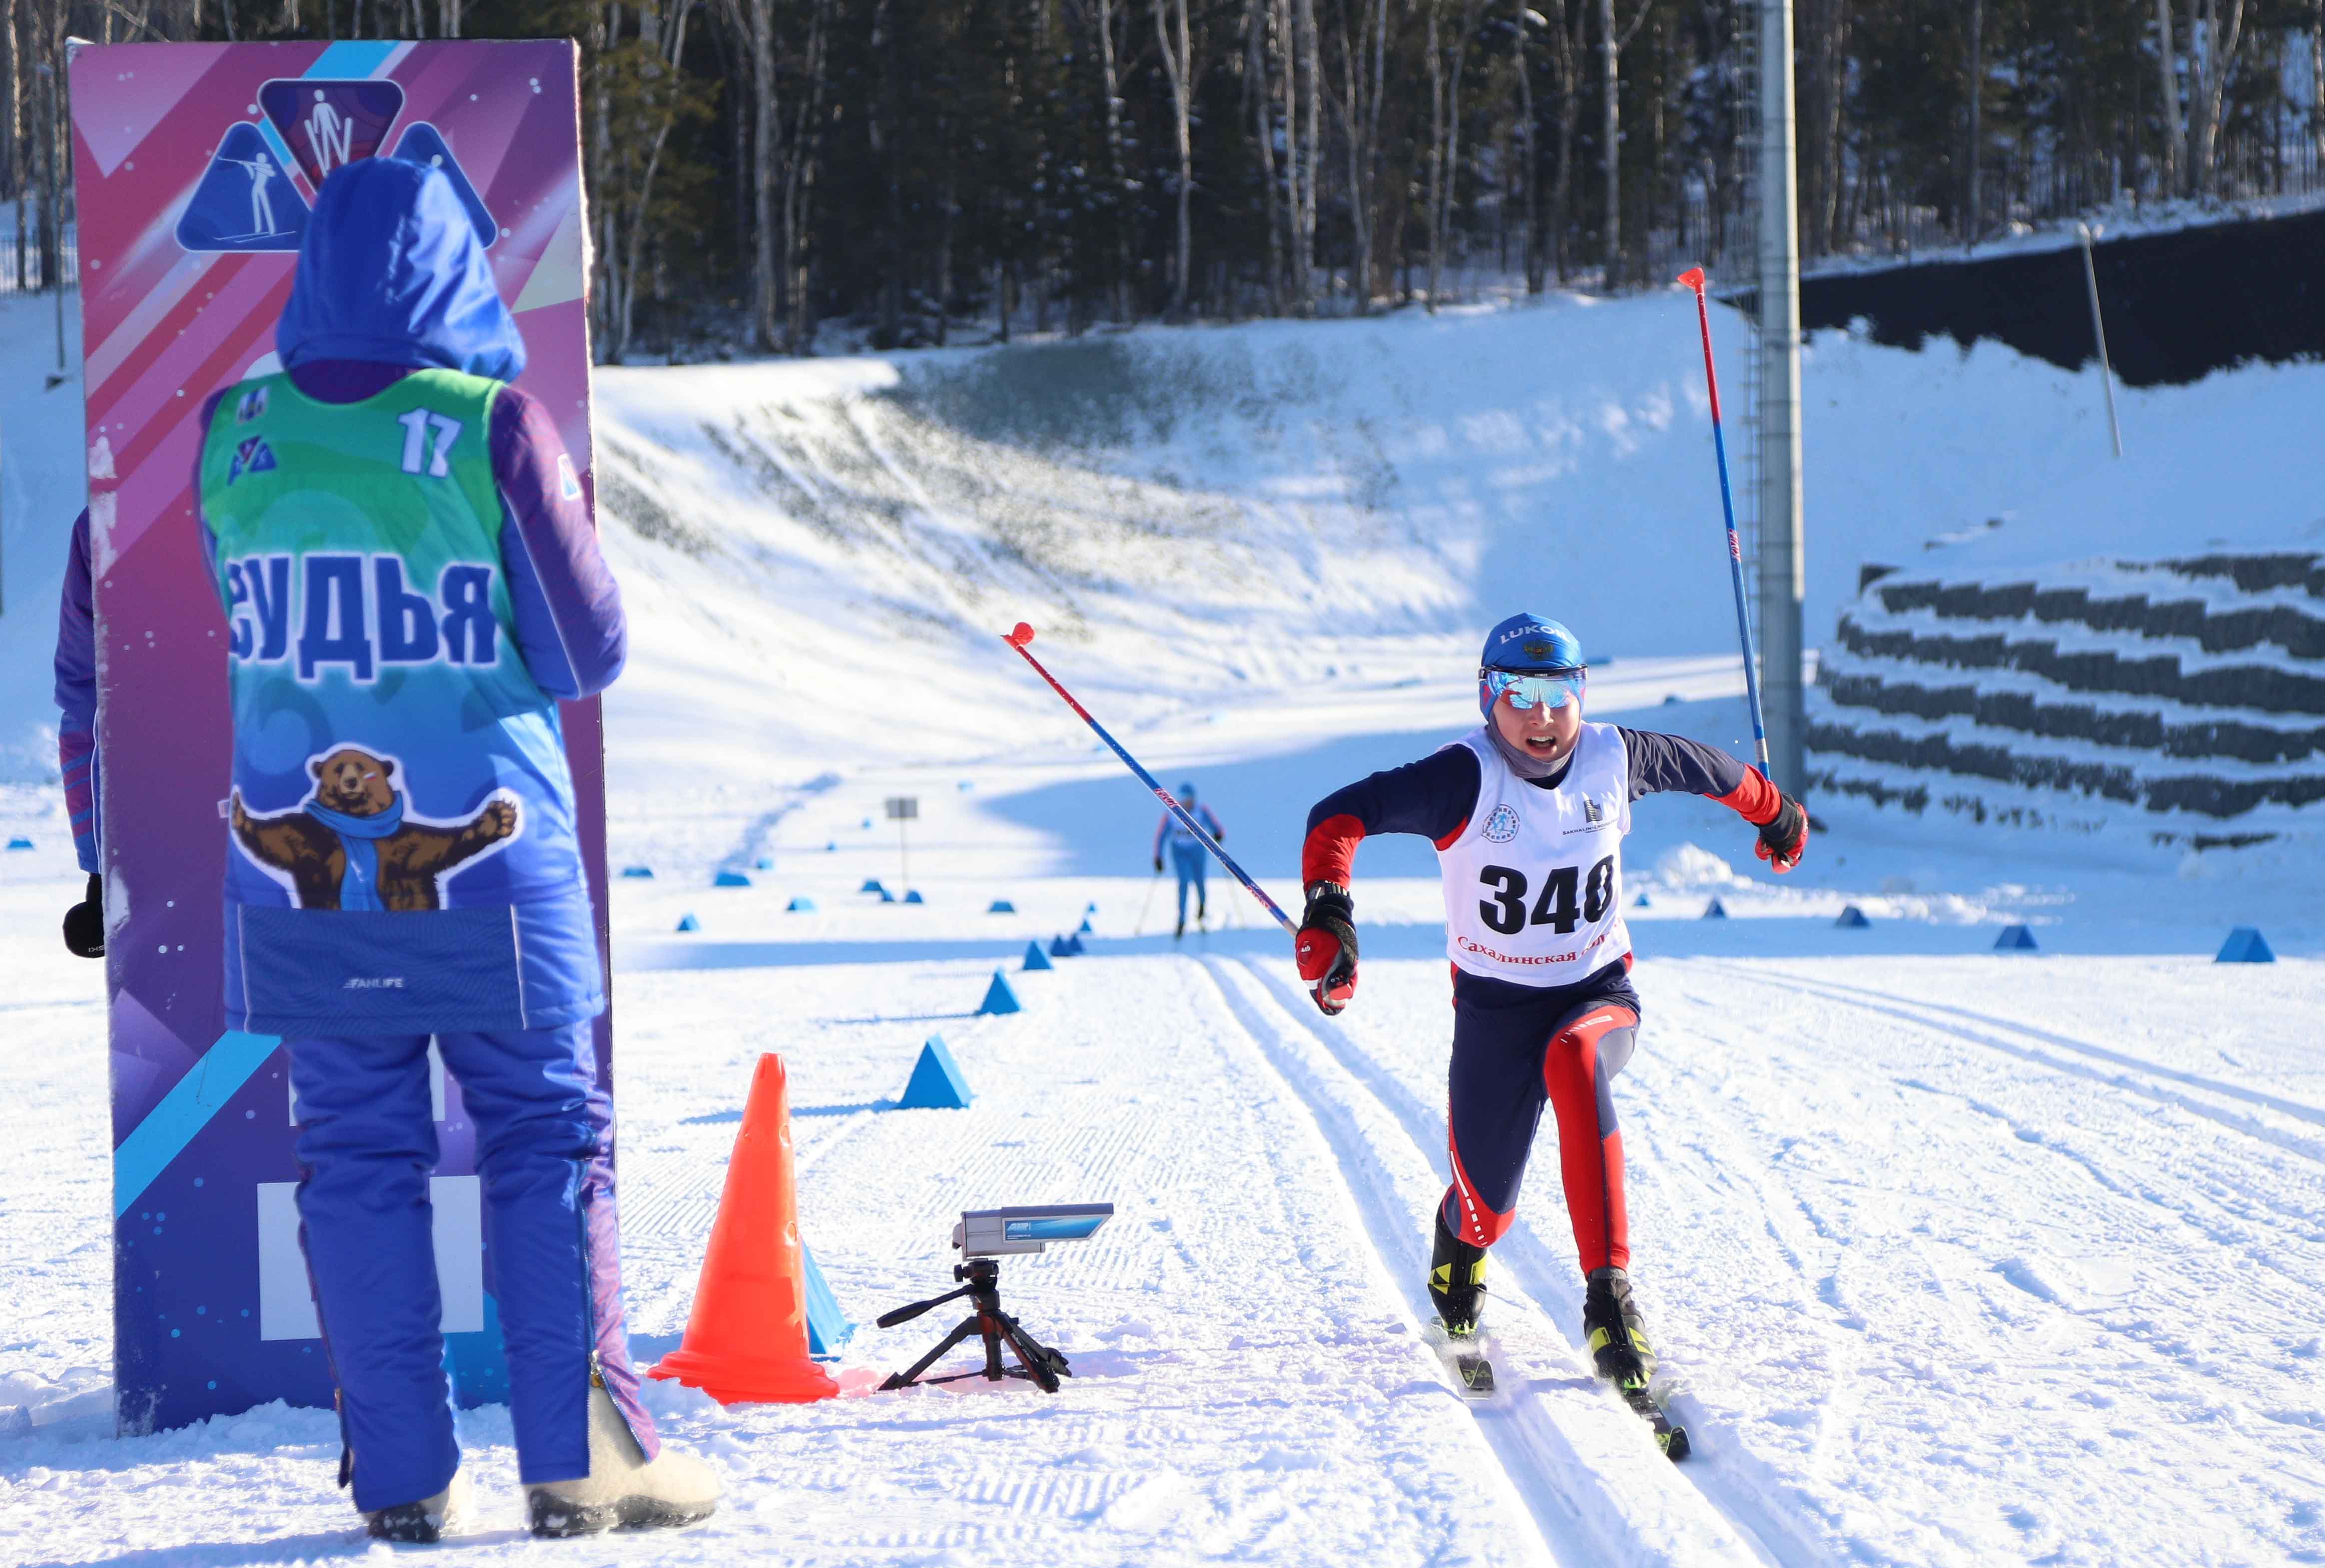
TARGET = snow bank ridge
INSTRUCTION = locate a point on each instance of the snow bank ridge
(2193, 690)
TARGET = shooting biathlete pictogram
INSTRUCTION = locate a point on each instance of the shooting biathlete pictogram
(262, 172)
(1528, 814)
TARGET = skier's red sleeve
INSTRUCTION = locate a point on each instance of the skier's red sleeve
(1755, 800)
(1430, 797)
(1329, 855)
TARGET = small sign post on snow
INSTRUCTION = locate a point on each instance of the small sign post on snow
(903, 809)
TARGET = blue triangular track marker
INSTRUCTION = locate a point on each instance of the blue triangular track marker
(827, 1327)
(2246, 945)
(1852, 919)
(2015, 939)
(936, 1083)
(999, 997)
(1715, 910)
(1035, 959)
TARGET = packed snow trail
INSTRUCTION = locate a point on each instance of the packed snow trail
(1583, 1464)
(1547, 1297)
(1937, 1302)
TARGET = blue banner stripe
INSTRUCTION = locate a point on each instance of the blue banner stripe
(346, 61)
(184, 1111)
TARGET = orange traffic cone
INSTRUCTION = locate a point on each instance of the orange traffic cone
(747, 1338)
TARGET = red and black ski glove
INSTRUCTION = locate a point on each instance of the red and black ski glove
(85, 923)
(1327, 946)
(1784, 837)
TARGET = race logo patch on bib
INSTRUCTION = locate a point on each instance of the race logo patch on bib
(1503, 825)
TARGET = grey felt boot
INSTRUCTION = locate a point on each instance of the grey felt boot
(623, 1490)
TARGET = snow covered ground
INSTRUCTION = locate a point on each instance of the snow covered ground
(1960, 1258)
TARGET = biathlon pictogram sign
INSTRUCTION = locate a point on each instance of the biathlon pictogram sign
(261, 182)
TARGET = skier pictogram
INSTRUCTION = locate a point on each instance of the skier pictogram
(245, 199)
(330, 124)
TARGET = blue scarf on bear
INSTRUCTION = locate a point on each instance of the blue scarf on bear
(359, 883)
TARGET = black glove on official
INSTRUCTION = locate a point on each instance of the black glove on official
(85, 923)
(1327, 946)
(1784, 838)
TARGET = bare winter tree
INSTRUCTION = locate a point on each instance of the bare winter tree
(1178, 68)
(2175, 141)
(1356, 105)
(1974, 140)
(2212, 45)
(1258, 19)
(1611, 45)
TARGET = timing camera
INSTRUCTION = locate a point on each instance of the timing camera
(1004, 1232)
(982, 1236)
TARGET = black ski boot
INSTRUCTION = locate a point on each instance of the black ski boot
(1456, 1282)
(1616, 1337)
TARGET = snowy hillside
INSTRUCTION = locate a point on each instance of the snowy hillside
(1207, 511)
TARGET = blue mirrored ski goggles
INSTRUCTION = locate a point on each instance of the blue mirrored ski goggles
(1526, 689)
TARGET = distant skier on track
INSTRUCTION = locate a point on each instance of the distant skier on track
(1187, 857)
(1528, 814)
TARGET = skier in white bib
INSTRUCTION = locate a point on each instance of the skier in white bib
(1528, 814)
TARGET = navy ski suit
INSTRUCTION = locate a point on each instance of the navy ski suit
(391, 282)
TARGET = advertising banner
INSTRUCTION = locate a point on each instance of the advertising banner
(196, 167)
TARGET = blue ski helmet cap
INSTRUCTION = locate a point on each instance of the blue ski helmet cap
(1186, 792)
(1527, 643)
(1530, 643)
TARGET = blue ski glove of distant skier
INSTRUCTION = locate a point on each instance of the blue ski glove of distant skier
(1327, 946)
(84, 921)
(1784, 837)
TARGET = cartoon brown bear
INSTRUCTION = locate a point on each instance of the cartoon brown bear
(406, 858)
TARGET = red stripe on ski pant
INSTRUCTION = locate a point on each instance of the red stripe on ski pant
(1512, 1054)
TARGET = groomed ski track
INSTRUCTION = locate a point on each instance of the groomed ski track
(1589, 1470)
(1920, 1265)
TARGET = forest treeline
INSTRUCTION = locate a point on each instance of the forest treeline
(759, 169)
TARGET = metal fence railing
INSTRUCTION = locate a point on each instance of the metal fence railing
(22, 269)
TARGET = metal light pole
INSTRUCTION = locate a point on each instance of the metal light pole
(2098, 335)
(1781, 567)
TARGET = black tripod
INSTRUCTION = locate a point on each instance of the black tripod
(1036, 1360)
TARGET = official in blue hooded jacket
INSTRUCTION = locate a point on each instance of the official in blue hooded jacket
(410, 581)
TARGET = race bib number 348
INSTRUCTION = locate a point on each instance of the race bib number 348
(1505, 908)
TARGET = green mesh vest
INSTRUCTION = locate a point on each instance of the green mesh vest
(403, 811)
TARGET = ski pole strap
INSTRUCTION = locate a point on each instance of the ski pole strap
(1170, 805)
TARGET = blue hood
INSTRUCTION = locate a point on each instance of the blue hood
(391, 272)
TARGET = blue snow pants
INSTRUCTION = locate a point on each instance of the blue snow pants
(544, 1153)
(1189, 862)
